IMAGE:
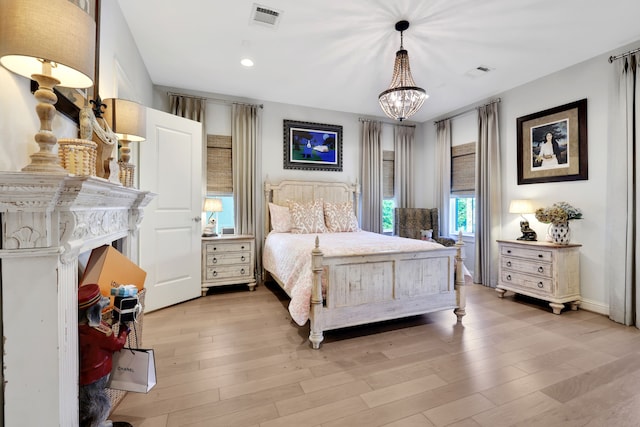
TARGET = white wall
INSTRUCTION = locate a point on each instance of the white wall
(590, 80)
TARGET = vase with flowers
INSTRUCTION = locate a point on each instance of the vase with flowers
(558, 216)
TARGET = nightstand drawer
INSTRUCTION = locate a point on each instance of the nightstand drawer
(535, 284)
(525, 266)
(228, 258)
(235, 271)
(532, 254)
(227, 247)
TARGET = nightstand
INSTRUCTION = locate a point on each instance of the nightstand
(228, 260)
(542, 270)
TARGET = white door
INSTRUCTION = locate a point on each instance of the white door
(171, 166)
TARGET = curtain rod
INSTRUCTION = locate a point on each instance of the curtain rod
(622, 55)
(467, 111)
(217, 100)
(361, 119)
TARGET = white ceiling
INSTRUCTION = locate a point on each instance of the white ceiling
(338, 54)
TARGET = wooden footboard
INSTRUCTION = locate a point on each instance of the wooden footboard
(371, 288)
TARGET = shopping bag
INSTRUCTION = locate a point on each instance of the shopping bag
(134, 369)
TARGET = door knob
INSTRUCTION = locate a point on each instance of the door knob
(197, 218)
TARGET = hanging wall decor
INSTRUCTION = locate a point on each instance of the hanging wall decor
(552, 144)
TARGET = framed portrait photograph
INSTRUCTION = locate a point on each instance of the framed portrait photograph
(312, 146)
(552, 144)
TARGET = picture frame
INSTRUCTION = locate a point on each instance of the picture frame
(552, 144)
(312, 146)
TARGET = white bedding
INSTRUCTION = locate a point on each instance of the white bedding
(288, 257)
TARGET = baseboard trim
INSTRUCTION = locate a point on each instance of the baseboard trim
(594, 306)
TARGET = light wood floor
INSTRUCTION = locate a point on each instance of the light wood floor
(234, 358)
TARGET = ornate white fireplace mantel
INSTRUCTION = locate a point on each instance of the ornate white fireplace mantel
(47, 222)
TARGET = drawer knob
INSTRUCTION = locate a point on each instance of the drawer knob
(215, 273)
(214, 248)
(242, 247)
(508, 251)
(242, 271)
(540, 256)
(540, 269)
(508, 263)
(214, 260)
(508, 277)
(242, 258)
(540, 285)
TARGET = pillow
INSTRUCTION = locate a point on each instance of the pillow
(307, 217)
(280, 218)
(339, 217)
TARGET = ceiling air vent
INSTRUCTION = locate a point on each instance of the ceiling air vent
(266, 16)
(479, 71)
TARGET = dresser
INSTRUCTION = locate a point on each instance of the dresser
(228, 260)
(542, 270)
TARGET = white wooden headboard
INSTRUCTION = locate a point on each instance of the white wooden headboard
(306, 191)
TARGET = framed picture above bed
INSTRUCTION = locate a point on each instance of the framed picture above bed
(552, 144)
(312, 146)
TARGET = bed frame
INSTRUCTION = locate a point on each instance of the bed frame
(364, 289)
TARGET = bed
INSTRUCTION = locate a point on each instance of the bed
(376, 278)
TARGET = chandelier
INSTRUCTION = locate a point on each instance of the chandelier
(403, 98)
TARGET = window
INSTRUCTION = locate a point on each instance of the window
(220, 177)
(388, 194)
(463, 212)
(462, 206)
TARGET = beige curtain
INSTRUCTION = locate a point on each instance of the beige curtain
(371, 169)
(443, 173)
(488, 196)
(245, 134)
(622, 207)
(403, 137)
(188, 107)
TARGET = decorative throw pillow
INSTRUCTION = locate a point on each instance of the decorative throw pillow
(280, 218)
(427, 235)
(339, 217)
(307, 217)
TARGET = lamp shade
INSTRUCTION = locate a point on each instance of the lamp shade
(521, 207)
(36, 33)
(127, 119)
(212, 205)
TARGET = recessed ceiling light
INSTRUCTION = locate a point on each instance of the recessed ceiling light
(247, 62)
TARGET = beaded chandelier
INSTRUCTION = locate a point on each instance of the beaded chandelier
(403, 98)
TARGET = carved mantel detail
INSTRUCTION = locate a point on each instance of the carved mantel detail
(71, 212)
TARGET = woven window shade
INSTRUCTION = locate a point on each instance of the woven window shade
(388, 159)
(219, 166)
(463, 169)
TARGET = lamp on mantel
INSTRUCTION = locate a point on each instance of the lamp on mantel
(215, 206)
(403, 98)
(521, 206)
(53, 43)
(128, 120)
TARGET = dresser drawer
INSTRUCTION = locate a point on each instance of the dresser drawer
(532, 254)
(535, 284)
(543, 269)
(218, 247)
(228, 272)
(226, 258)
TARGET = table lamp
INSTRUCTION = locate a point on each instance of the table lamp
(215, 206)
(52, 42)
(523, 207)
(128, 120)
